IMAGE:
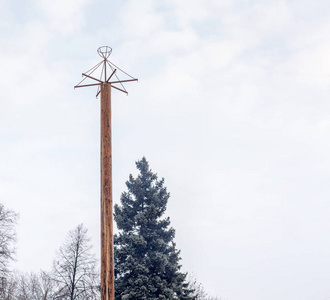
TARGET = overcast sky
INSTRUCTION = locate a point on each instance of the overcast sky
(232, 108)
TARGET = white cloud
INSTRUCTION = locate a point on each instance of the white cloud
(167, 42)
(311, 66)
(141, 20)
(190, 12)
(271, 17)
(64, 16)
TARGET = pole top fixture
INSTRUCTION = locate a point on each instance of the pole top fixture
(107, 73)
(104, 51)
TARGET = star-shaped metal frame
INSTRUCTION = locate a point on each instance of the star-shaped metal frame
(105, 52)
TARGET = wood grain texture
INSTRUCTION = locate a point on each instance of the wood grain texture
(107, 253)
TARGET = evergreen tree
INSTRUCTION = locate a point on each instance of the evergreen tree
(146, 259)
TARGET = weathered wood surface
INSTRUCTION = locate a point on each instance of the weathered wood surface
(107, 254)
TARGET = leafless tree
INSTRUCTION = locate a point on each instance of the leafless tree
(199, 290)
(27, 286)
(8, 287)
(34, 286)
(8, 219)
(74, 269)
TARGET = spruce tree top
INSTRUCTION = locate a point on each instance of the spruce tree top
(144, 203)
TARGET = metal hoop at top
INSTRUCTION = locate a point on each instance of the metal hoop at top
(104, 51)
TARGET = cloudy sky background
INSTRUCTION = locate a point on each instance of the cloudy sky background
(231, 108)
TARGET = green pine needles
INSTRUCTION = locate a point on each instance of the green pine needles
(146, 259)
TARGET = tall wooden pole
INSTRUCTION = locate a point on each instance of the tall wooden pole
(107, 254)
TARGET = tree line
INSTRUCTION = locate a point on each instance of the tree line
(147, 261)
(74, 274)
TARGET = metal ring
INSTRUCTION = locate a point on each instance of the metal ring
(104, 51)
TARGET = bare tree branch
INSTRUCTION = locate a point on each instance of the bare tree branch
(8, 219)
(74, 269)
